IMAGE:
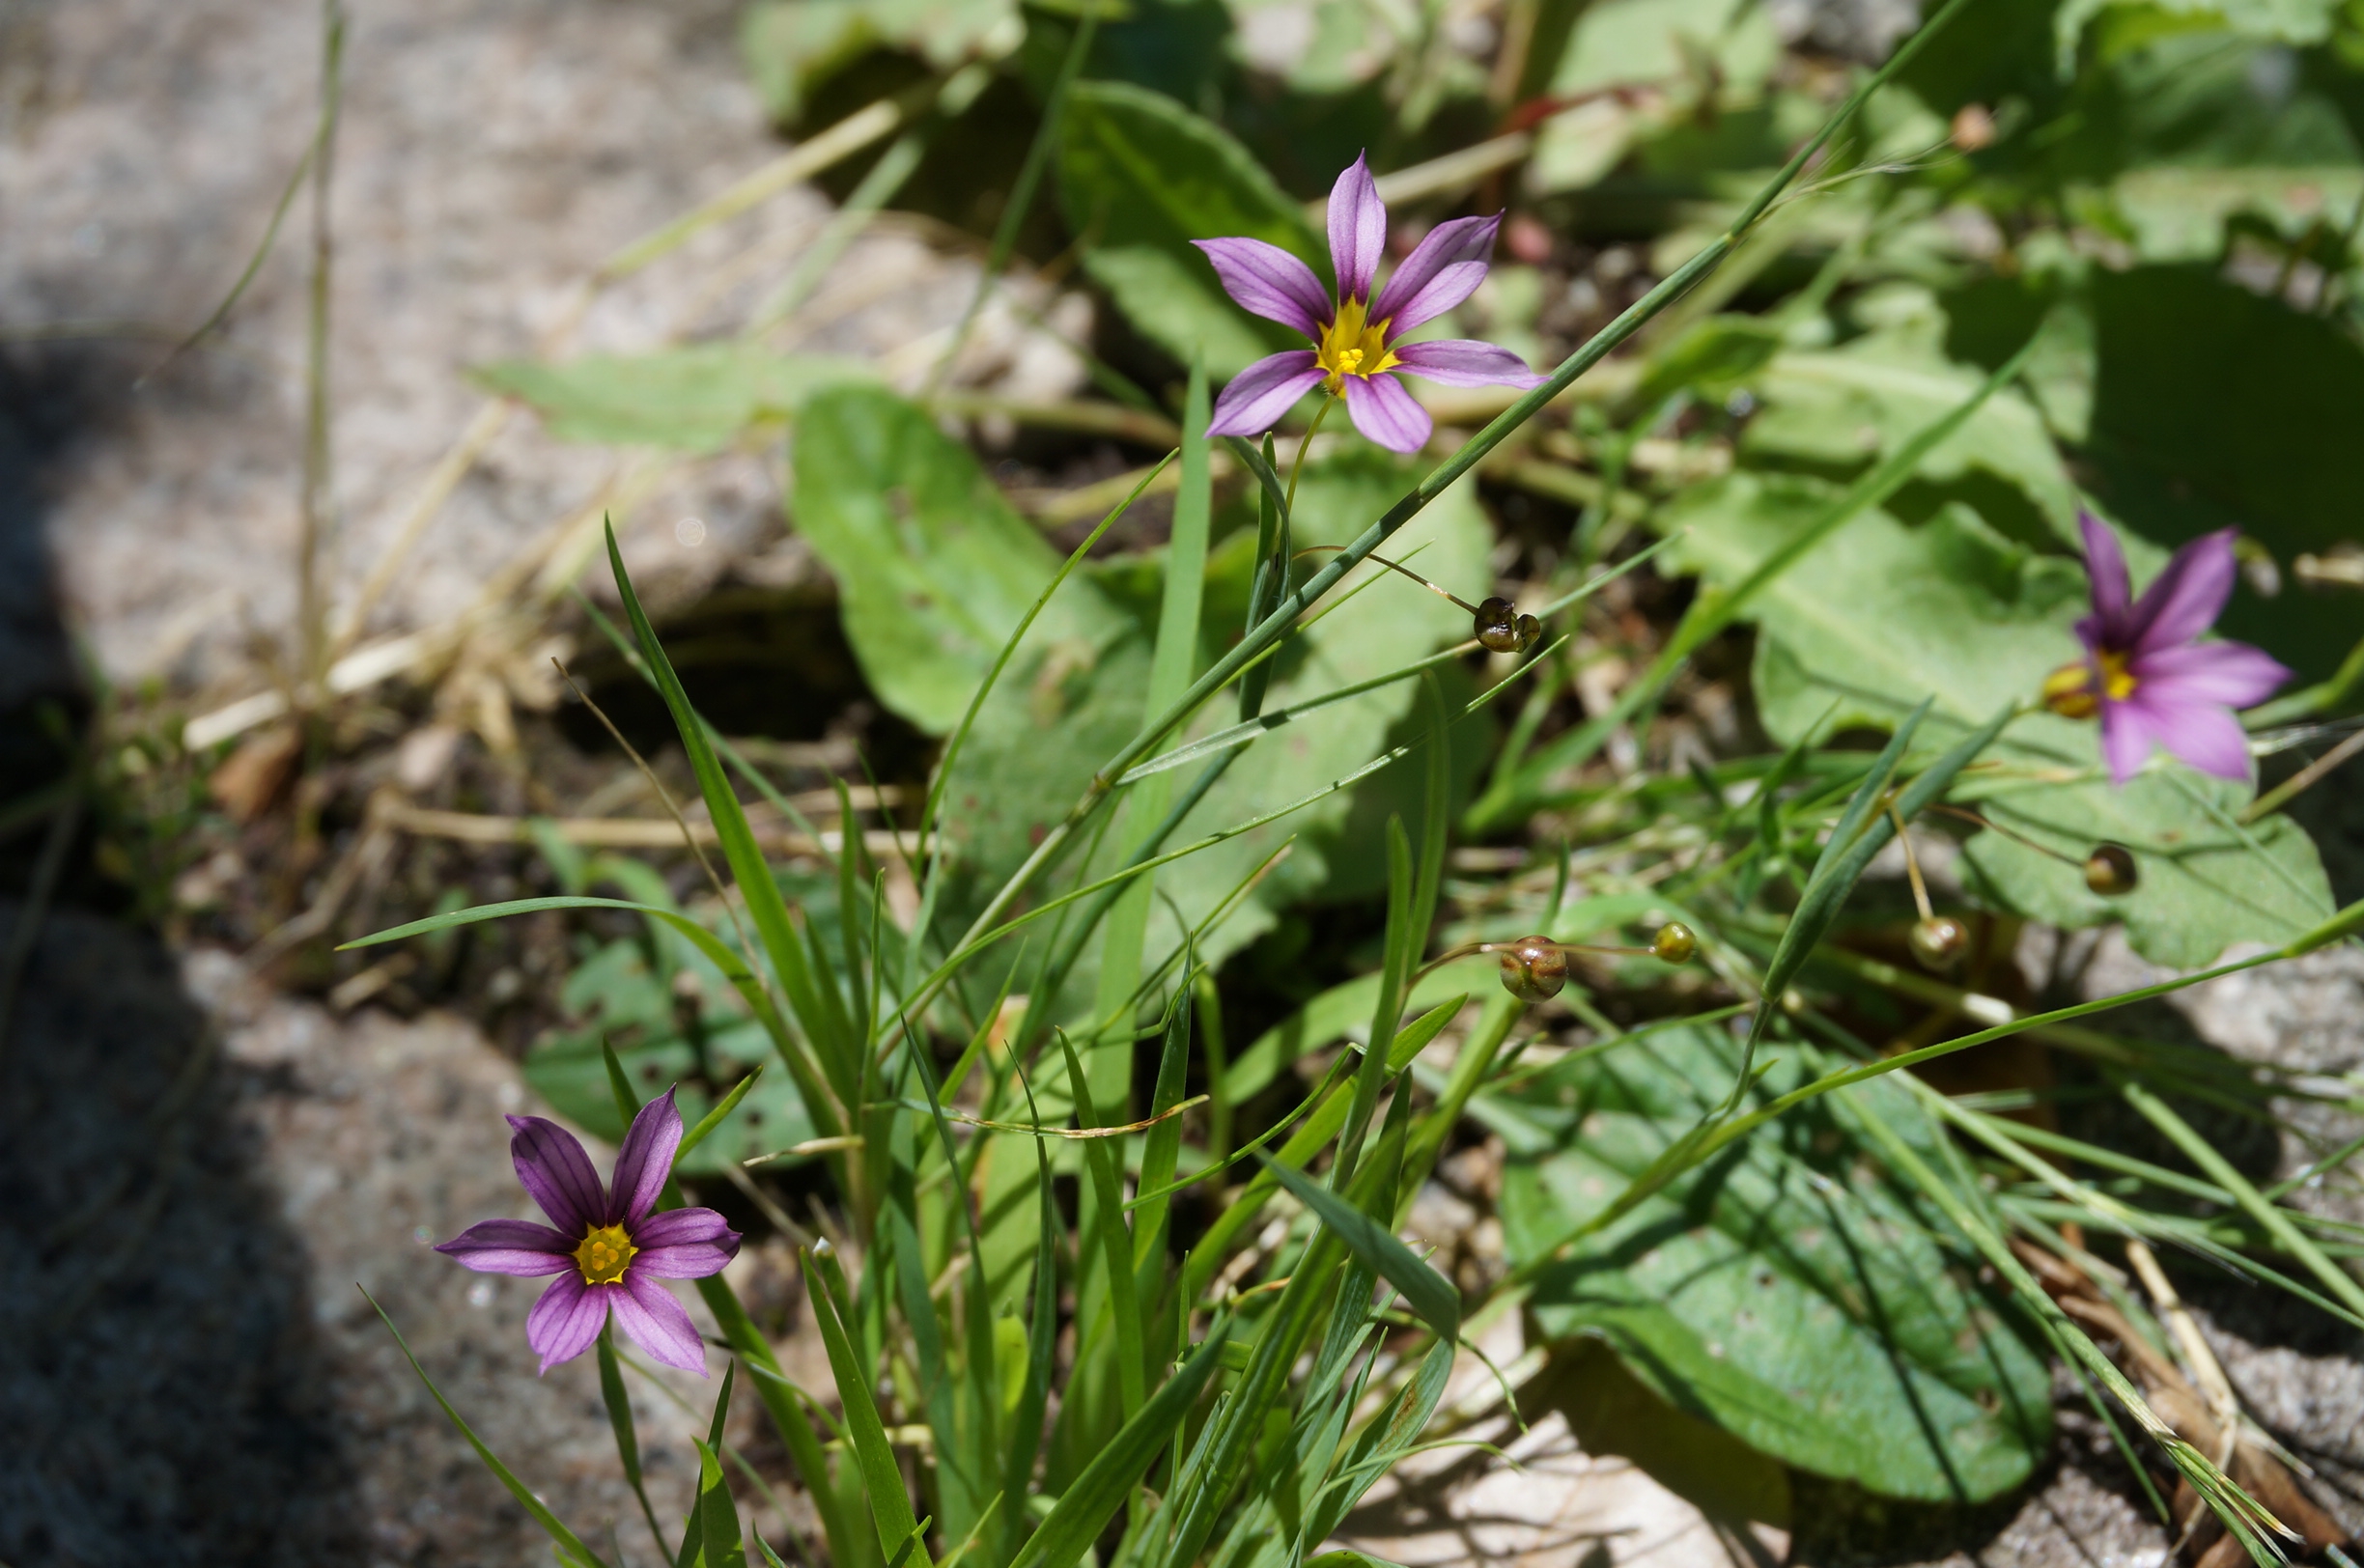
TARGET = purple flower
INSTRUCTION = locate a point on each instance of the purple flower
(608, 1250)
(1359, 340)
(2145, 672)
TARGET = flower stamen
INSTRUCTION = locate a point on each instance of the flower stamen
(605, 1252)
(1353, 346)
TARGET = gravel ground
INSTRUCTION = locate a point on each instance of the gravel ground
(492, 153)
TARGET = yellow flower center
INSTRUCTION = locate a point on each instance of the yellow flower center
(604, 1252)
(2117, 681)
(1352, 346)
(2072, 691)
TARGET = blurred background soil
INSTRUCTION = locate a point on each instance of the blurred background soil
(196, 1170)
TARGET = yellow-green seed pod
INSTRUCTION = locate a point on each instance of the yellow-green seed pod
(1940, 941)
(2110, 870)
(1497, 626)
(1675, 943)
(1533, 969)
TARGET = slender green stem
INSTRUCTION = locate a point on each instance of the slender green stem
(1289, 503)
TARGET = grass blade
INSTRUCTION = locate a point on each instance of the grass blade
(890, 1510)
(1424, 1291)
(762, 895)
(1086, 1506)
(627, 1438)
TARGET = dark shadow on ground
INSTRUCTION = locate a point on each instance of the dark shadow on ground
(161, 1393)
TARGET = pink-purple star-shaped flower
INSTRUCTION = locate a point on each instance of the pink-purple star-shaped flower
(608, 1247)
(2145, 672)
(1358, 339)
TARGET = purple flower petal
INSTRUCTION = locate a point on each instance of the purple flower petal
(2112, 597)
(1358, 231)
(645, 1160)
(567, 1319)
(1259, 395)
(1465, 362)
(2230, 674)
(2186, 599)
(2126, 738)
(2204, 734)
(510, 1247)
(556, 1172)
(1269, 281)
(1387, 413)
(657, 1323)
(684, 1244)
(1443, 269)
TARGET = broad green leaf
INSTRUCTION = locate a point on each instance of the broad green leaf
(2178, 212)
(2203, 884)
(1879, 616)
(1791, 1291)
(934, 567)
(794, 47)
(1619, 42)
(1140, 177)
(695, 399)
(1841, 409)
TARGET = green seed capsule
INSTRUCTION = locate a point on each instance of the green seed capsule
(1675, 943)
(1497, 626)
(2110, 871)
(1533, 969)
(1939, 941)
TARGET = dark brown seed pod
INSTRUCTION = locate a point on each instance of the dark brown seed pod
(1530, 631)
(1675, 943)
(1498, 626)
(1939, 941)
(2110, 870)
(1533, 969)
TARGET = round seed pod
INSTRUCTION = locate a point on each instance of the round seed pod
(1675, 943)
(1530, 630)
(1533, 969)
(1940, 941)
(1497, 626)
(2110, 870)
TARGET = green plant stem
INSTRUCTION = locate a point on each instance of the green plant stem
(2269, 1216)
(319, 498)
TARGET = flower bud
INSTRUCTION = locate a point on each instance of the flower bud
(1939, 941)
(2069, 690)
(1675, 943)
(1503, 630)
(1533, 969)
(2110, 872)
